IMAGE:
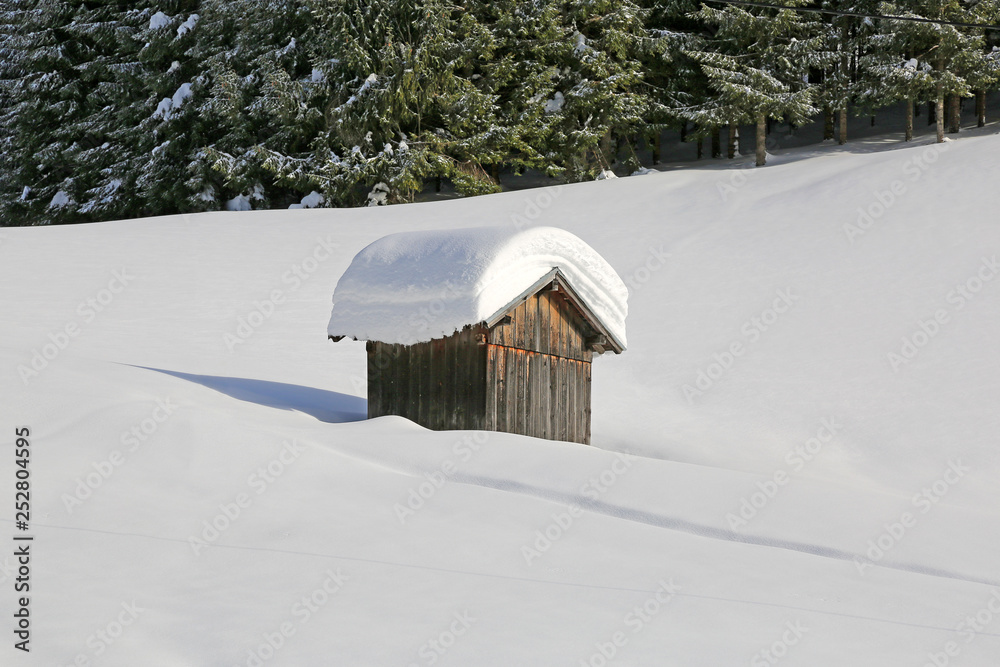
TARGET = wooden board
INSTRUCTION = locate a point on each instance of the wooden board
(529, 374)
(545, 322)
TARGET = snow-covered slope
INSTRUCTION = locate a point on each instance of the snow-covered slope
(795, 460)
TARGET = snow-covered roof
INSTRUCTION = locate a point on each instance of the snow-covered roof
(415, 286)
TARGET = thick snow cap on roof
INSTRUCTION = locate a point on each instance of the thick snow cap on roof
(414, 286)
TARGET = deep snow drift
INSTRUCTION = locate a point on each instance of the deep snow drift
(808, 407)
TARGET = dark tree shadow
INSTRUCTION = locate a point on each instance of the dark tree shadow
(326, 406)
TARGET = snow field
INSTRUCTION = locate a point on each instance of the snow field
(207, 492)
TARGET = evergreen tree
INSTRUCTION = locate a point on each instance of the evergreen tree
(757, 63)
(896, 67)
(400, 102)
(604, 45)
(13, 21)
(845, 41)
(241, 69)
(981, 64)
(529, 50)
(117, 85)
(955, 55)
(47, 128)
(78, 75)
(987, 12)
(674, 82)
(164, 127)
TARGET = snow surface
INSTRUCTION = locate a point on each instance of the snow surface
(59, 199)
(556, 103)
(311, 200)
(368, 83)
(238, 203)
(168, 105)
(158, 20)
(415, 286)
(379, 195)
(188, 25)
(190, 350)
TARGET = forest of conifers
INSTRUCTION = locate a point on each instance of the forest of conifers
(113, 110)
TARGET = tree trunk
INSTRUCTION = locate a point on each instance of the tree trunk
(733, 135)
(716, 142)
(606, 149)
(980, 108)
(909, 119)
(701, 145)
(656, 148)
(684, 132)
(956, 114)
(939, 107)
(828, 122)
(847, 75)
(496, 173)
(939, 114)
(761, 140)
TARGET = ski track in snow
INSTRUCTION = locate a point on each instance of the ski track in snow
(674, 523)
(589, 504)
(506, 577)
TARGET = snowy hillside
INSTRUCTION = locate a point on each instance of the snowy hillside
(795, 461)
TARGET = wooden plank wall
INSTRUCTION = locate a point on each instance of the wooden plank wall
(538, 394)
(440, 384)
(546, 322)
(539, 369)
(530, 375)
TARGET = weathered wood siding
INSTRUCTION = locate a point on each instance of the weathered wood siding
(440, 384)
(528, 375)
(538, 371)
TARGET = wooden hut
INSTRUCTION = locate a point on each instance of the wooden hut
(525, 368)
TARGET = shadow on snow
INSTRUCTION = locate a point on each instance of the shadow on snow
(324, 405)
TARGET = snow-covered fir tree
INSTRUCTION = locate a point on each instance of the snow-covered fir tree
(956, 56)
(399, 90)
(198, 128)
(115, 110)
(839, 82)
(165, 128)
(895, 67)
(12, 42)
(757, 63)
(602, 99)
(673, 83)
(65, 67)
(241, 72)
(524, 76)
